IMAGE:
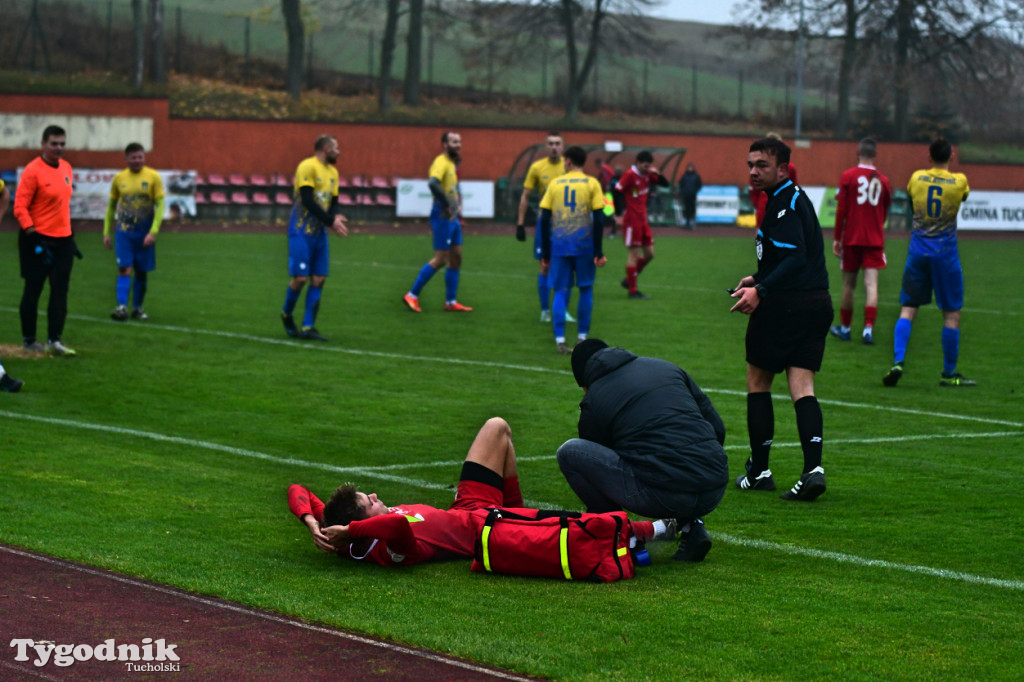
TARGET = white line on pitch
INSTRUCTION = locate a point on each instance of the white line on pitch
(370, 472)
(872, 563)
(524, 368)
(828, 442)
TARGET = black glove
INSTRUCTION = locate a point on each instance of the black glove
(78, 251)
(520, 233)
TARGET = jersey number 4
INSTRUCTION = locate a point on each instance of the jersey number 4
(868, 191)
(569, 199)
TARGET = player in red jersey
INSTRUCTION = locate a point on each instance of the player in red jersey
(635, 186)
(362, 527)
(862, 205)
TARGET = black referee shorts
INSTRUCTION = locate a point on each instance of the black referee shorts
(789, 329)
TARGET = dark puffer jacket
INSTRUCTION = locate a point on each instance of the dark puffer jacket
(655, 417)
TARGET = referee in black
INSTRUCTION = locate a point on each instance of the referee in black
(790, 312)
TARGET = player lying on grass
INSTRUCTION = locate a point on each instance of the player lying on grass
(362, 527)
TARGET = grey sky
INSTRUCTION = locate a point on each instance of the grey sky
(709, 12)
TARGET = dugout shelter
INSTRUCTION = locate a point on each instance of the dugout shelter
(668, 160)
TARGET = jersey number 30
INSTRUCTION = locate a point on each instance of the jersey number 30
(868, 191)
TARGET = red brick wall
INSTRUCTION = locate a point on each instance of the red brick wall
(270, 147)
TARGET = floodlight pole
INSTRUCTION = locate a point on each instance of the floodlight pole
(799, 71)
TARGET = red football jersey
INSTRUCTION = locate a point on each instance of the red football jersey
(862, 204)
(635, 188)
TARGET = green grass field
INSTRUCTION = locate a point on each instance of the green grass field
(165, 448)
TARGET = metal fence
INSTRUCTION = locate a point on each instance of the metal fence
(342, 55)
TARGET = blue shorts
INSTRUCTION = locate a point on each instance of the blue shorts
(943, 274)
(538, 253)
(130, 253)
(447, 233)
(308, 254)
(563, 267)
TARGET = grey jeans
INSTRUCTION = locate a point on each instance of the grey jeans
(606, 482)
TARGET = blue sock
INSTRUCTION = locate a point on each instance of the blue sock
(312, 305)
(291, 297)
(950, 350)
(451, 285)
(124, 284)
(426, 272)
(558, 312)
(543, 292)
(139, 289)
(901, 337)
(584, 309)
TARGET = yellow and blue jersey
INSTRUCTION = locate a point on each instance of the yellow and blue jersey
(136, 194)
(443, 168)
(572, 199)
(541, 173)
(323, 178)
(936, 195)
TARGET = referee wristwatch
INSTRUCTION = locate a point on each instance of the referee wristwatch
(761, 291)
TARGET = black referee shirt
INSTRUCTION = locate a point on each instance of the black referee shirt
(790, 248)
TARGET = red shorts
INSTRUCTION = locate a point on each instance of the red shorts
(475, 495)
(860, 257)
(636, 231)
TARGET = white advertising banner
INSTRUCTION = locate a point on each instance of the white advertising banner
(92, 192)
(992, 211)
(414, 199)
(718, 204)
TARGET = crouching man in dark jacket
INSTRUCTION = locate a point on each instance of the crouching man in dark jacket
(650, 442)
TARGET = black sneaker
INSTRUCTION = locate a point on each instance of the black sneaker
(808, 488)
(955, 380)
(289, 325)
(639, 295)
(119, 314)
(312, 334)
(624, 283)
(763, 481)
(893, 377)
(10, 384)
(694, 544)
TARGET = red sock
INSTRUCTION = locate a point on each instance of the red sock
(641, 263)
(510, 493)
(631, 279)
(870, 313)
(846, 316)
(643, 530)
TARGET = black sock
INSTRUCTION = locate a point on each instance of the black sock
(809, 424)
(761, 429)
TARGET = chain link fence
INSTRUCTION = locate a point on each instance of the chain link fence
(342, 56)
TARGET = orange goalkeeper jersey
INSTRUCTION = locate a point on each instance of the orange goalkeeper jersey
(43, 198)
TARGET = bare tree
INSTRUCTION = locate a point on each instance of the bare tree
(139, 43)
(414, 54)
(292, 10)
(940, 42)
(157, 69)
(583, 27)
(387, 57)
(911, 42)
